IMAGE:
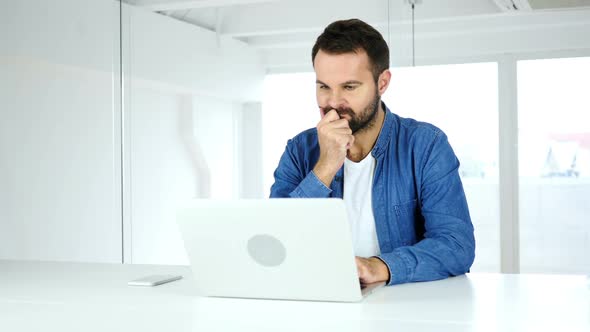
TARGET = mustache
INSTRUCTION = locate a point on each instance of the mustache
(341, 111)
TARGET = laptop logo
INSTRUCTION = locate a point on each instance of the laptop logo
(267, 250)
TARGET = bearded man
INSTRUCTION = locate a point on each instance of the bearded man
(398, 177)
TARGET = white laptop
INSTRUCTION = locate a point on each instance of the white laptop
(296, 249)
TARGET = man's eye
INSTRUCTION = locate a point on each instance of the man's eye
(349, 87)
(323, 87)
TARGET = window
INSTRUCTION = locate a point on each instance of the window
(462, 100)
(554, 165)
(288, 108)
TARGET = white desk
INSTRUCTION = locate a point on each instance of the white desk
(38, 296)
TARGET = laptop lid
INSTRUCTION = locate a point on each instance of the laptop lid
(298, 249)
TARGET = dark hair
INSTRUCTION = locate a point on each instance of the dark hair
(350, 36)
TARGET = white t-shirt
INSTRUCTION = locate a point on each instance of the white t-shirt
(358, 184)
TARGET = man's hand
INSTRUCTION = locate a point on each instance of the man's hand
(335, 138)
(371, 270)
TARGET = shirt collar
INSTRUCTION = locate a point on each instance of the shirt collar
(385, 133)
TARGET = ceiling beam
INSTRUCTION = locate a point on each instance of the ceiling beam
(170, 5)
(512, 5)
(295, 16)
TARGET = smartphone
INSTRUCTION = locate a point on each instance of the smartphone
(154, 280)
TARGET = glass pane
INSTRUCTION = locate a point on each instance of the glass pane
(462, 100)
(554, 165)
(185, 115)
(59, 162)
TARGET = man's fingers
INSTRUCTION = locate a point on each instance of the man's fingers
(326, 131)
(360, 268)
(350, 141)
(330, 116)
(337, 124)
(344, 141)
(342, 131)
(341, 135)
(340, 123)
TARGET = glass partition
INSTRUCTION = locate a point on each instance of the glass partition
(59, 152)
(554, 165)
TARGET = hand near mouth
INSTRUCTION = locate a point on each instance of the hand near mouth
(335, 138)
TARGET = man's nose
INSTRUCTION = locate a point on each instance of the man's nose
(335, 100)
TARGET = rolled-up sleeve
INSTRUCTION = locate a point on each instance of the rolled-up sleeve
(291, 180)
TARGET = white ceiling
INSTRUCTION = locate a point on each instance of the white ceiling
(279, 27)
(247, 18)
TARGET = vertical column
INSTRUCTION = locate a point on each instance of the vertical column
(250, 175)
(122, 127)
(508, 124)
(198, 162)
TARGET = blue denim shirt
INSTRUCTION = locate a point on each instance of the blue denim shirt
(421, 214)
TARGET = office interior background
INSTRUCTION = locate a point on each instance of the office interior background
(113, 114)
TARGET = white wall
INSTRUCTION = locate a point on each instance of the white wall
(250, 146)
(183, 115)
(178, 56)
(59, 194)
(172, 161)
(160, 175)
(60, 150)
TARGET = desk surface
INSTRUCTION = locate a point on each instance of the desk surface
(47, 296)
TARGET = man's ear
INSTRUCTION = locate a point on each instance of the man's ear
(383, 81)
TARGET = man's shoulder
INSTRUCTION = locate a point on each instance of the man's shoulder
(414, 134)
(415, 127)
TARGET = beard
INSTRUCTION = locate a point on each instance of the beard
(362, 121)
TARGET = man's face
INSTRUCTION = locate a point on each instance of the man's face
(344, 82)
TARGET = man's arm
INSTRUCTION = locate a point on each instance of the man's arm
(291, 180)
(448, 247)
